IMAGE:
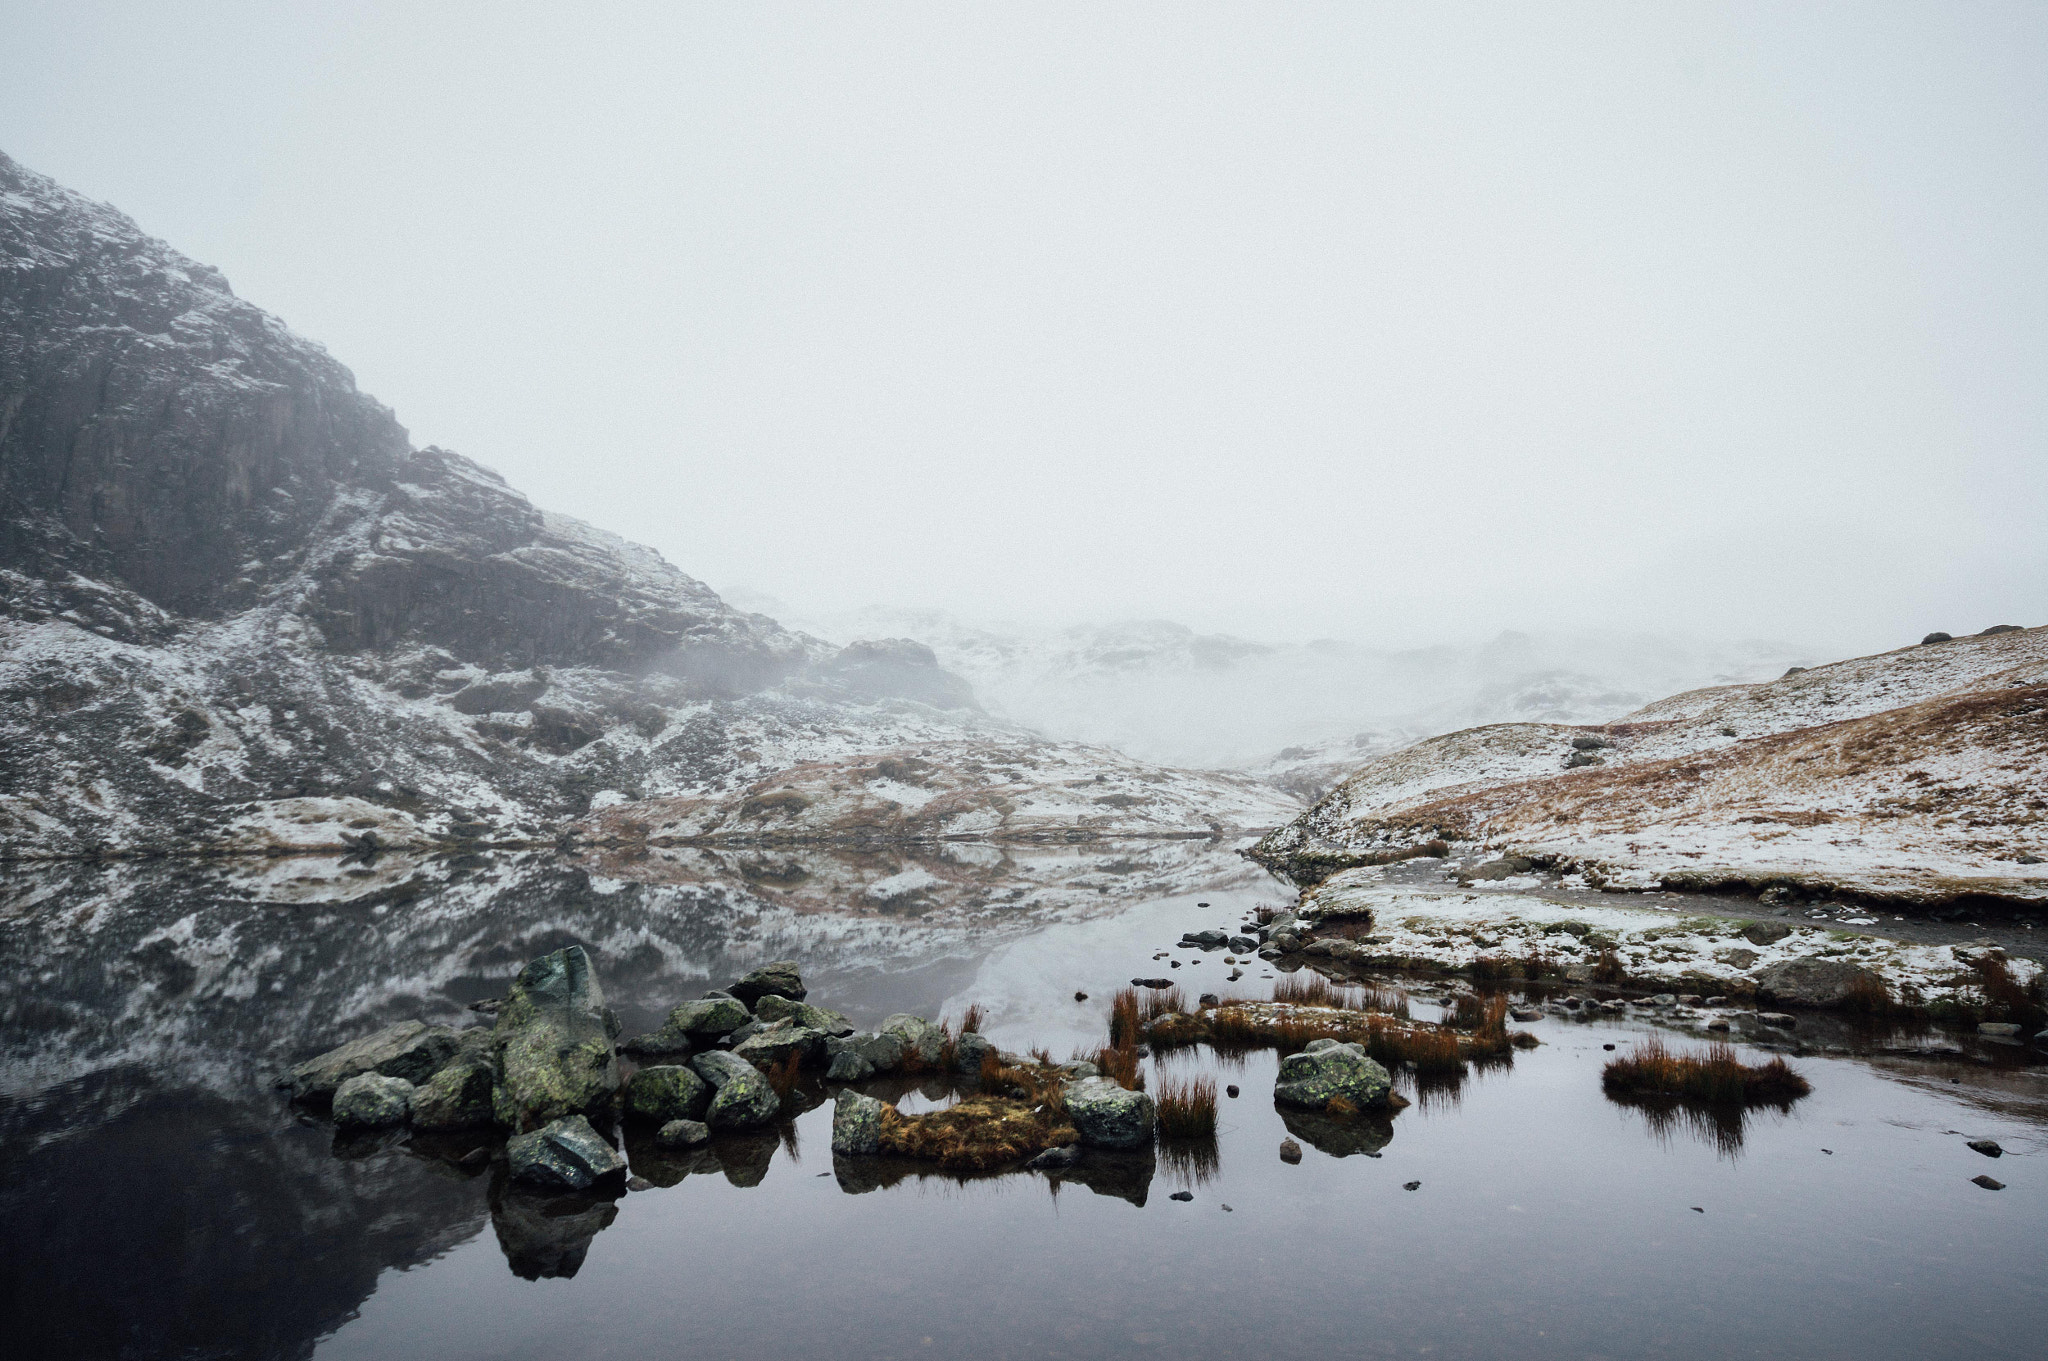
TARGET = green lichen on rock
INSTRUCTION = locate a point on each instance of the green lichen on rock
(667, 1092)
(1329, 1070)
(555, 1043)
(457, 1097)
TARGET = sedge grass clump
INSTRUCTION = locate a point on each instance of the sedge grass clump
(1158, 1002)
(2009, 999)
(1119, 1063)
(1125, 1018)
(1718, 1078)
(1608, 968)
(977, 1133)
(1186, 1108)
(971, 1021)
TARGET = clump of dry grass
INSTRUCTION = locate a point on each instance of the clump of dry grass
(1186, 1108)
(976, 1133)
(970, 1022)
(2008, 998)
(1159, 1002)
(1119, 1063)
(1126, 1020)
(1608, 968)
(1311, 989)
(1719, 1078)
(784, 1073)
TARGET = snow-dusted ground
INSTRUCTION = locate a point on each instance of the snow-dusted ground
(1451, 930)
(1919, 774)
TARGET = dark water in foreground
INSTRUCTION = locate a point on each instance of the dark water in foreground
(160, 1200)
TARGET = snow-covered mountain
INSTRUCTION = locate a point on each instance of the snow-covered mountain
(237, 607)
(1916, 775)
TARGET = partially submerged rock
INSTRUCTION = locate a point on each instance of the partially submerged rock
(667, 1092)
(743, 1098)
(683, 1134)
(1108, 1116)
(565, 1154)
(457, 1097)
(412, 1050)
(1328, 1070)
(1816, 982)
(372, 1101)
(690, 1027)
(856, 1123)
(555, 1039)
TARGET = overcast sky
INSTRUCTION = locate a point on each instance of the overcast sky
(1380, 321)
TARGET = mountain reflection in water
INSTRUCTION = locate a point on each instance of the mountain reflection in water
(161, 1198)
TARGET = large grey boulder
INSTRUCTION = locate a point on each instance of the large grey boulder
(773, 1008)
(1107, 1116)
(457, 1097)
(565, 1154)
(1815, 982)
(1327, 1070)
(412, 1050)
(779, 978)
(667, 1092)
(919, 1036)
(372, 1101)
(743, 1096)
(554, 1037)
(856, 1123)
(774, 1044)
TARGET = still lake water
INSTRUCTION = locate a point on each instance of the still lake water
(161, 1199)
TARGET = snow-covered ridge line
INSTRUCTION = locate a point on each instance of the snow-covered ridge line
(1919, 775)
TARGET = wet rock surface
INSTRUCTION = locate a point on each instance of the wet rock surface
(554, 1037)
(1327, 1071)
(1107, 1116)
(566, 1154)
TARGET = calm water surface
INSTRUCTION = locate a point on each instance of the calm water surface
(162, 1200)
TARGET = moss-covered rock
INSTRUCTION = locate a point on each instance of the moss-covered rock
(555, 1043)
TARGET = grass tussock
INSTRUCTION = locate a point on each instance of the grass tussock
(976, 1133)
(1159, 1002)
(1431, 1051)
(970, 1023)
(1186, 1108)
(1608, 968)
(1717, 1078)
(1120, 1064)
(1311, 989)
(1126, 1020)
(2009, 1000)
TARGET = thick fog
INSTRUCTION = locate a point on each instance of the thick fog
(1395, 324)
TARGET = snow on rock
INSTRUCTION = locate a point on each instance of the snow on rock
(1706, 955)
(1914, 776)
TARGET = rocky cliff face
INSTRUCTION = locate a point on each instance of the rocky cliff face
(228, 579)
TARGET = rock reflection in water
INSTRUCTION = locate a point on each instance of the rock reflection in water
(1124, 1175)
(546, 1235)
(1340, 1136)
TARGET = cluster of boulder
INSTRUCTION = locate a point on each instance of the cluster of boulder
(550, 1062)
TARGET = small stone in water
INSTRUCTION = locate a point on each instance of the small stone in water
(1227, 1210)
(1290, 1152)
(1699, 1209)
(1988, 1147)
(1411, 1186)
(1182, 1195)
(1988, 1183)
(1607, 1046)
(1080, 997)
(1231, 1090)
